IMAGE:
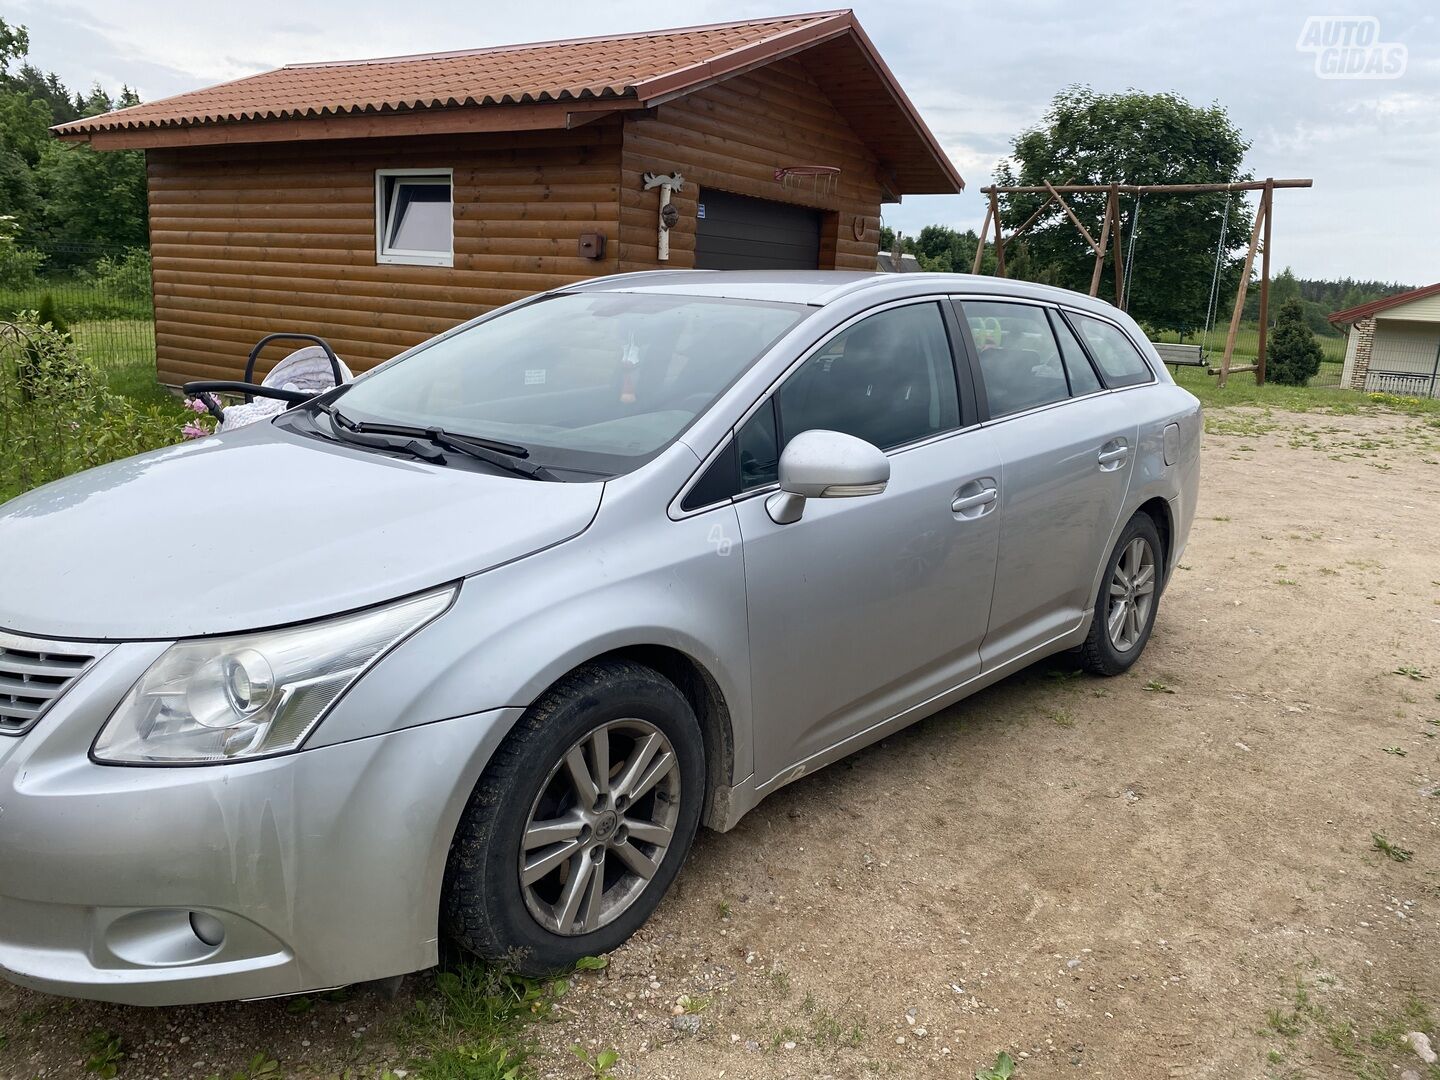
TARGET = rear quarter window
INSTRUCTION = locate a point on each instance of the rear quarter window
(1119, 360)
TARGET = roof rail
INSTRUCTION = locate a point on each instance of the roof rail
(609, 279)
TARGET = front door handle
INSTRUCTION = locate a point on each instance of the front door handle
(969, 502)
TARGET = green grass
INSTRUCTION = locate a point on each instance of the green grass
(106, 1053)
(75, 299)
(474, 1026)
(1391, 851)
(1241, 390)
(124, 350)
(1247, 343)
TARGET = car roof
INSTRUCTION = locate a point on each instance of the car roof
(820, 287)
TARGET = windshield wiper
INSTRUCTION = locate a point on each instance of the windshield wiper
(507, 456)
(483, 450)
(345, 431)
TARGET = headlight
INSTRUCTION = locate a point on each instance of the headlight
(253, 695)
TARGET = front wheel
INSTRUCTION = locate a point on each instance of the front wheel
(580, 822)
(1128, 599)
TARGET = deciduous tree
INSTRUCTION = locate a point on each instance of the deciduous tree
(1134, 138)
(57, 193)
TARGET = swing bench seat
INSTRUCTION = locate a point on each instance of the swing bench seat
(1180, 355)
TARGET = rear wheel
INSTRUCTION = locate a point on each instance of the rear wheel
(1128, 600)
(580, 822)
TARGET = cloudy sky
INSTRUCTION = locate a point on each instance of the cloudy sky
(979, 73)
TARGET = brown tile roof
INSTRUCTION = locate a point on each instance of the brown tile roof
(623, 66)
(1355, 314)
(501, 84)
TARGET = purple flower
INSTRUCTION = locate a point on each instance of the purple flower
(194, 431)
(196, 405)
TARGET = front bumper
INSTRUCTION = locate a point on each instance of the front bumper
(320, 868)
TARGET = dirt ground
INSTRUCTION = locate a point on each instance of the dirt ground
(1169, 874)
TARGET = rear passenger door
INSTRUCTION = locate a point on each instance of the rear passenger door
(1066, 446)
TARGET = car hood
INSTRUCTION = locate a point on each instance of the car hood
(260, 528)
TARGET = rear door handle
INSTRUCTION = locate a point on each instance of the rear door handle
(1113, 454)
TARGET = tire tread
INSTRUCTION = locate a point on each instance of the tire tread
(469, 911)
(1096, 655)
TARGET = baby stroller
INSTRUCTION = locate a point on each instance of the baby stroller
(304, 374)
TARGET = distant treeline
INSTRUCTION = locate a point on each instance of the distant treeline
(941, 248)
(1320, 297)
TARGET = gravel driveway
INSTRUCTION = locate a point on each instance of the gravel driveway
(1172, 873)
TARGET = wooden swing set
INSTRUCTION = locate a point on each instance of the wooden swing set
(1112, 238)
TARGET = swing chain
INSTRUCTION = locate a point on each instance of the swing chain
(1130, 252)
(1210, 310)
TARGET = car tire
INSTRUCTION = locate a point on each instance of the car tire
(528, 811)
(1112, 650)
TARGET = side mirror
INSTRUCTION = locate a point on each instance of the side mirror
(826, 465)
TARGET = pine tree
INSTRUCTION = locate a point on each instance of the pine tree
(1293, 357)
(49, 312)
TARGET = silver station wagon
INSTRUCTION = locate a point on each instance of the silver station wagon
(470, 647)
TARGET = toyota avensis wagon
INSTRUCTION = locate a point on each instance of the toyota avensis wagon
(470, 647)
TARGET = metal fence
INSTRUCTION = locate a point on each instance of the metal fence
(102, 295)
(1329, 373)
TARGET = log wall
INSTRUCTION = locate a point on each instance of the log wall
(255, 239)
(252, 239)
(733, 136)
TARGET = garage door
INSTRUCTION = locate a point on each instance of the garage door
(733, 232)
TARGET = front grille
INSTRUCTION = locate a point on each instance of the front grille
(34, 673)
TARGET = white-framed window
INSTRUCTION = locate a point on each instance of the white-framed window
(415, 217)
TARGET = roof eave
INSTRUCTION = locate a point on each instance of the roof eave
(902, 99)
(1374, 307)
(376, 123)
(828, 27)
(697, 76)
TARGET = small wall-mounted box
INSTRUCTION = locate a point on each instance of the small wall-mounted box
(592, 245)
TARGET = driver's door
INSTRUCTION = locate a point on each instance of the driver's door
(866, 607)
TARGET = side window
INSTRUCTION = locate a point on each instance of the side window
(759, 446)
(889, 379)
(1119, 360)
(1083, 379)
(1020, 363)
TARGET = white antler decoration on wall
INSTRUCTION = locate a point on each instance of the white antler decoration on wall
(668, 185)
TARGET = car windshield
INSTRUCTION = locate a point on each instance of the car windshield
(591, 382)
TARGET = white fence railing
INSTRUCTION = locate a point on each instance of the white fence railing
(1406, 384)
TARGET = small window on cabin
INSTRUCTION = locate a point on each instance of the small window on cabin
(414, 217)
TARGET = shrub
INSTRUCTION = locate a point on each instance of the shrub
(56, 414)
(28, 372)
(48, 314)
(126, 276)
(18, 267)
(1294, 355)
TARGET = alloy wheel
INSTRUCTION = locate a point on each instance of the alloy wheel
(600, 827)
(1132, 594)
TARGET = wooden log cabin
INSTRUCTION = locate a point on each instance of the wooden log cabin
(379, 202)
